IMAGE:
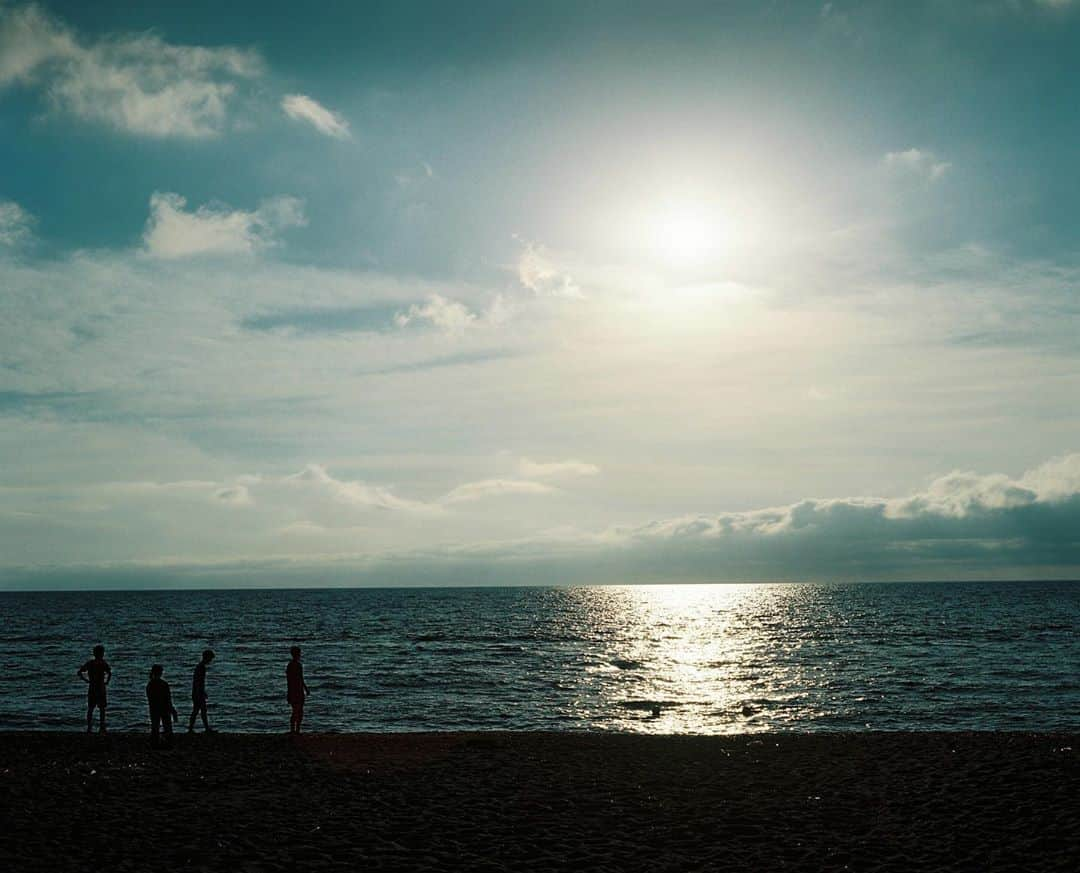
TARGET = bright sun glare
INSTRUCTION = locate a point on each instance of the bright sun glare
(684, 234)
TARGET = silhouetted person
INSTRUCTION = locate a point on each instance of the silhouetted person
(198, 692)
(97, 674)
(297, 689)
(162, 711)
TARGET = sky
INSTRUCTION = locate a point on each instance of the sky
(551, 293)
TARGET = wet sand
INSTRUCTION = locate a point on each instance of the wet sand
(540, 802)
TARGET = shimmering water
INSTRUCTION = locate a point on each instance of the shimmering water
(716, 659)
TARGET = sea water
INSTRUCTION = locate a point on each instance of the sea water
(706, 658)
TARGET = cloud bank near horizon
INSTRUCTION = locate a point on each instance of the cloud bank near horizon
(961, 526)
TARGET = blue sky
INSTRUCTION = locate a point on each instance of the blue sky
(547, 292)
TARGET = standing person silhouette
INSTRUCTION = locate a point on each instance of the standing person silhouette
(97, 674)
(162, 711)
(198, 693)
(297, 689)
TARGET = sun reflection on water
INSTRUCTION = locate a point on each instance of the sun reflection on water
(684, 658)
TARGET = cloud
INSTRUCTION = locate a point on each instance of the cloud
(962, 524)
(537, 272)
(410, 177)
(15, 223)
(449, 316)
(323, 320)
(495, 488)
(531, 469)
(235, 495)
(918, 162)
(300, 107)
(138, 84)
(352, 493)
(173, 232)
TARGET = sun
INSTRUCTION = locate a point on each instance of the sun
(684, 234)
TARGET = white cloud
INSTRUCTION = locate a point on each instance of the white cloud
(300, 107)
(136, 83)
(531, 469)
(963, 526)
(352, 493)
(448, 315)
(495, 488)
(537, 272)
(173, 232)
(15, 223)
(918, 162)
(410, 177)
(956, 497)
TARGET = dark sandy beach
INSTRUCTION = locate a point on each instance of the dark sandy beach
(492, 802)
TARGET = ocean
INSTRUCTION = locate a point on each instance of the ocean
(713, 658)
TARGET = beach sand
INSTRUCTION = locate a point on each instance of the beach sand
(539, 802)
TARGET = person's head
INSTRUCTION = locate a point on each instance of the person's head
(99, 651)
(295, 652)
(156, 671)
(207, 656)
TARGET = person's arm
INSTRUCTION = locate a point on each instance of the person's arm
(82, 673)
(307, 690)
(108, 674)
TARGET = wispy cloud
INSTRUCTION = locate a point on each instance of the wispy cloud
(495, 488)
(175, 232)
(323, 320)
(448, 316)
(531, 469)
(15, 223)
(351, 492)
(918, 162)
(138, 84)
(538, 272)
(300, 107)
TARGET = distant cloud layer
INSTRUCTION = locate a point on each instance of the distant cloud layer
(963, 525)
(139, 84)
(172, 231)
(300, 107)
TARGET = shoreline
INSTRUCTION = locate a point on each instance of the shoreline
(508, 801)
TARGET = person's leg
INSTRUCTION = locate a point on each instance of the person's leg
(194, 712)
(166, 725)
(299, 710)
(292, 718)
(205, 717)
(101, 711)
(89, 716)
(155, 727)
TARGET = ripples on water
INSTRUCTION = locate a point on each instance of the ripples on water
(715, 658)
